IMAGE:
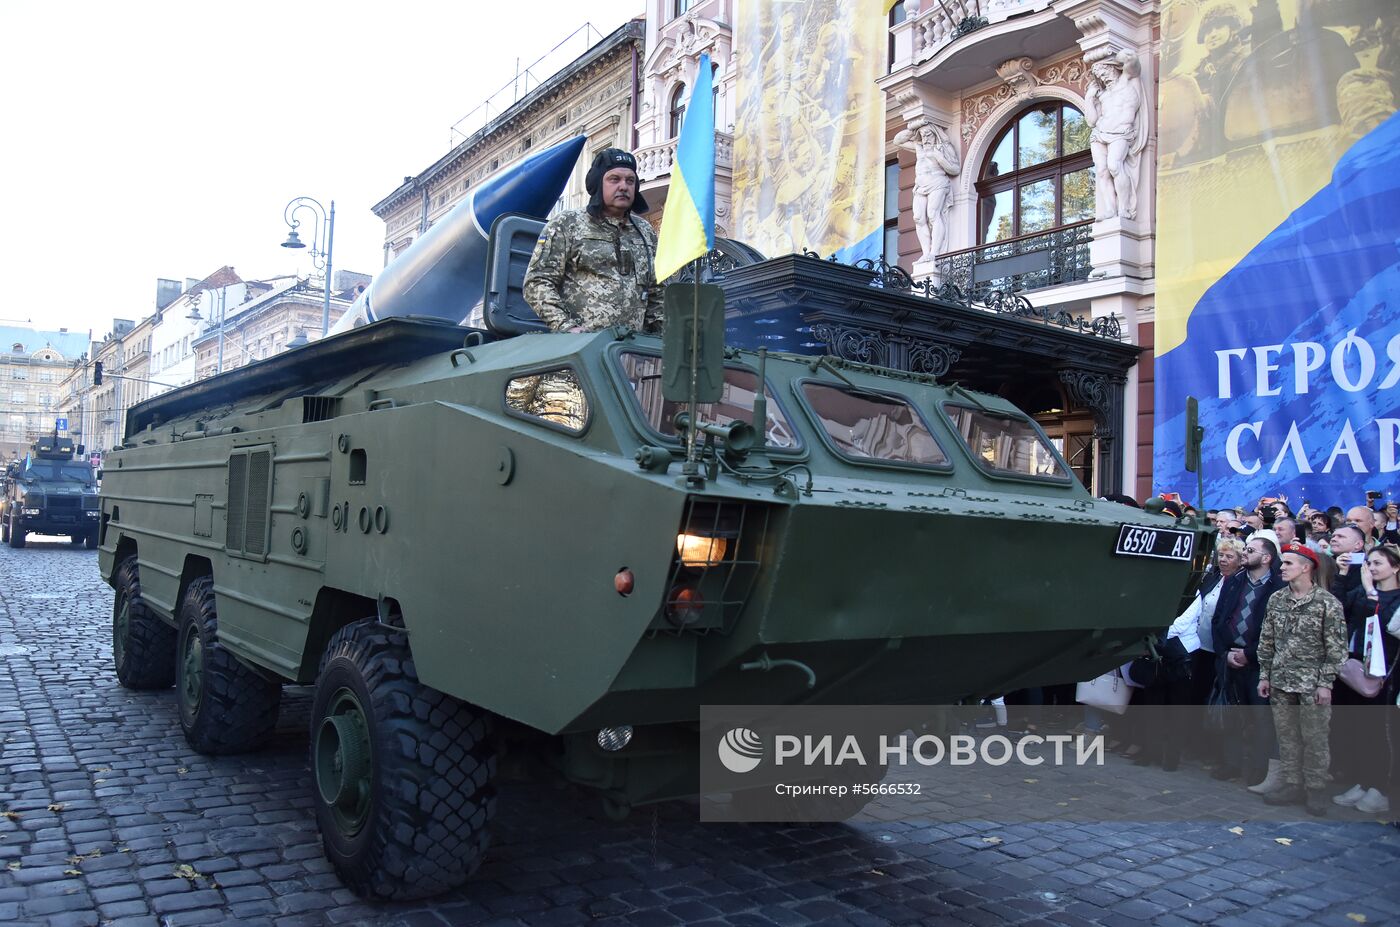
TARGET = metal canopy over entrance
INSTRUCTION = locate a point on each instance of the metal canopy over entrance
(1069, 372)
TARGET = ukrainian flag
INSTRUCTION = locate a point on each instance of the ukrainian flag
(688, 225)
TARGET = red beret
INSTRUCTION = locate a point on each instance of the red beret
(1302, 551)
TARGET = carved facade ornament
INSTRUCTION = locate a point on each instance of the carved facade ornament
(1116, 107)
(936, 163)
(1069, 73)
(1019, 75)
(855, 344)
(907, 98)
(895, 352)
(932, 359)
(1088, 390)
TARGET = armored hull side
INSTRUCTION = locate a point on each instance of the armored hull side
(452, 540)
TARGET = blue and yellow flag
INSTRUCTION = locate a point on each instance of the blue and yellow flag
(688, 225)
(1278, 276)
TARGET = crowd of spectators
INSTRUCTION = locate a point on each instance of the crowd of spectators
(1288, 599)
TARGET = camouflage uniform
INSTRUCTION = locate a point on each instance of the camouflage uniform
(1301, 645)
(595, 272)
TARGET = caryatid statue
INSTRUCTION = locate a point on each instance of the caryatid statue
(1116, 107)
(936, 163)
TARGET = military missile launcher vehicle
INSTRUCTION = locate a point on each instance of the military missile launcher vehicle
(488, 551)
(52, 490)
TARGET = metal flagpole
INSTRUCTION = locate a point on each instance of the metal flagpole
(691, 467)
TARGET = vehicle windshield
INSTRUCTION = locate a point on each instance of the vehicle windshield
(1005, 444)
(643, 372)
(872, 425)
(58, 470)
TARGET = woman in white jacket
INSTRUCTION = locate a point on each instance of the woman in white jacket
(1193, 628)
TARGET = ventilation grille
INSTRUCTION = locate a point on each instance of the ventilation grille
(259, 491)
(319, 408)
(249, 501)
(237, 486)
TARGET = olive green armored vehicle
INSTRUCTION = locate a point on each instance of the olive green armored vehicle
(467, 549)
(544, 553)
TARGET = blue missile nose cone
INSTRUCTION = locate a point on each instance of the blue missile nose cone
(531, 187)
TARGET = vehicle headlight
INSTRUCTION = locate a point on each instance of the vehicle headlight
(699, 551)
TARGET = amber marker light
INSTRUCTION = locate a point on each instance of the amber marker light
(697, 551)
(685, 606)
(624, 582)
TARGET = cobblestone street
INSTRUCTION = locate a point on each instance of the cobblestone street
(107, 817)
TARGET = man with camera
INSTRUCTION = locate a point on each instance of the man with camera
(1348, 546)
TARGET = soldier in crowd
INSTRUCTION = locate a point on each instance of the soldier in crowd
(1301, 645)
(595, 267)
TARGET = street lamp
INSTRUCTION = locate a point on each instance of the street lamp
(320, 259)
(194, 316)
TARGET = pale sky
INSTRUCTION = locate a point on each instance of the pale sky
(163, 139)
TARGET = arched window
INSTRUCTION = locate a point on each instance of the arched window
(1038, 176)
(677, 110)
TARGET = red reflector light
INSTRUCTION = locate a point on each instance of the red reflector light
(684, 606)
(624, 582)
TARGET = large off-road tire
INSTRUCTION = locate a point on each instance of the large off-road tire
(403, 774)
(225, 706)
(143, 646)
(75, 539)
(17, 534)
(4, 530)
(90, 539)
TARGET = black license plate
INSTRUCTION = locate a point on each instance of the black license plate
(1162, 543)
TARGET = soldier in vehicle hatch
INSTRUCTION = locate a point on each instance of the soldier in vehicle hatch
(595, 267)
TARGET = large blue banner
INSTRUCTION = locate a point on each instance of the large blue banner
(1293, 344)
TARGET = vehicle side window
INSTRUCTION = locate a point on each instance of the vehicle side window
(1005, 444)
(553, 396)
(873, 426)
(643, 373)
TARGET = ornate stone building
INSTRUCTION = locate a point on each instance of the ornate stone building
(677, 33)
(278, 314)
(595, 96)
(33, 366)
(180, 342)
(1050, 106)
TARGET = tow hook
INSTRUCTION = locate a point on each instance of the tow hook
(766, 663)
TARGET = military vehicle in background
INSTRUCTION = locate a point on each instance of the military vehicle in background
(52, 490)
(478, 546)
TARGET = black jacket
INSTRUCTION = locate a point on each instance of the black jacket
(1225, 608)
(1358, 607)
(1343, 586)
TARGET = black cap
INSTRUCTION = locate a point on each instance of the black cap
(604, 161)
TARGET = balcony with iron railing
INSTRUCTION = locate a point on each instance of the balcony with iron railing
(937, 24)
(1016, 265)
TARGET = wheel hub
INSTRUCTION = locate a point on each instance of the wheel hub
(120, 628)
(342, 759)
(193, 686)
